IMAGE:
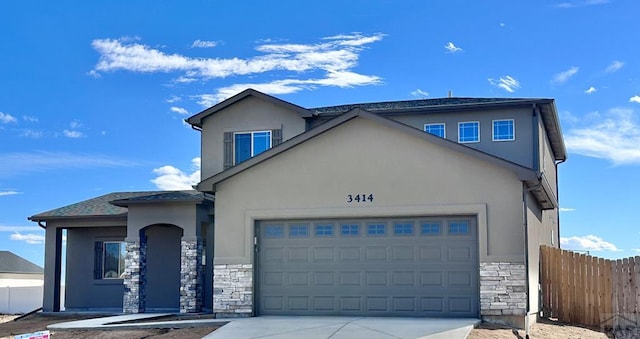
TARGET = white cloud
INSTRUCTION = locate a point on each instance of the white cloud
(562, 77)
(590, 90)
(508, 83)
(334, 57)
(587, 243)
(30, 118)
(72, 134)
(580, 3)
(13, 229)
(341, 79)
(614, 66)
(614, 136)
(635, 98)
(20, 163)
(6, 118)
(174, 98)
(29, 133)
(179, 110)
(173, 179)
(75, 125)
(563, 209)
(29, 238)
(8, 192)
(452, 48)
(420, 93)
(203, 44)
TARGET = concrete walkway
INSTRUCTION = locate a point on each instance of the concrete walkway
(293, 327)
(344, 327)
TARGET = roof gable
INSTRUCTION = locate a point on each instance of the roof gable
(11, 263)
(209, 183)
(196, 120)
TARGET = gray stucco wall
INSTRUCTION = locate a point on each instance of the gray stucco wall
(407, 176)
(519, 151)
(249, 114)
(83, 291)
(547, 163)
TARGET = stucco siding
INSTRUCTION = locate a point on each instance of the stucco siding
(181, 215)
(89, 293)
(519, 150)
(406, 175)
(249, 114)
(547, 163)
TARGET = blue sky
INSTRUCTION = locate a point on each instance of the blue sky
(93, 95)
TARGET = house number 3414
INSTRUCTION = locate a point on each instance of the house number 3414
(359, 198)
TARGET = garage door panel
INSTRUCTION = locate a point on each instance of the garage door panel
(383, 267)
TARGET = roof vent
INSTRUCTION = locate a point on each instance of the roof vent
(450, 94)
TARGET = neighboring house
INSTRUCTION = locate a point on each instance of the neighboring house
(432, 207)
(20, 284)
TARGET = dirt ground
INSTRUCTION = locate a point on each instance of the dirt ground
(37, 322)
(542, 329)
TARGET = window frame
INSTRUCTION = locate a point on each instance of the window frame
(493, 129)
(477, 123)
(122, 251)
(252, 150)
(444, 129)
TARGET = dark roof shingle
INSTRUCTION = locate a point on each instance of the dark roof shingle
(11, 263)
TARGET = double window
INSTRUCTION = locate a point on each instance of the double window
(469, 131)
(436, 129)
(250, 144)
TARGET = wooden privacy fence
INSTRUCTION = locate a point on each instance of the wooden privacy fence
(590, 291)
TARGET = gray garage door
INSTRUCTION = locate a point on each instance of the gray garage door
(373, 267)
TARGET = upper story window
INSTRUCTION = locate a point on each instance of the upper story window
(250, 144)
(504, 130)
(469, 131)
(436, 129)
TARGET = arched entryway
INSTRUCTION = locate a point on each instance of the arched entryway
(162, 273)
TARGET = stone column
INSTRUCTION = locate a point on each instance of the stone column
(191, 275)
(233, 290)
(503, 289)
(135, 276)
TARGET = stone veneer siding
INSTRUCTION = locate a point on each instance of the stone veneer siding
(502, 289)
(134, 277)
(233, 290)
(191, 274)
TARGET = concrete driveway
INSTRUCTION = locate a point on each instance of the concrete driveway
(344, 327)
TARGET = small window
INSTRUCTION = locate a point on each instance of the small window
(274, 231)
(375, 229)
(503, 130)
(324, 230)
(298, 231)
(349, 229)
(436, 129)
(430, 228)
(113, 260)
(403, 229)
(459, 227)
(250, 144)
(469, 131)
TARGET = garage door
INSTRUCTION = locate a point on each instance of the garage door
(373, 267)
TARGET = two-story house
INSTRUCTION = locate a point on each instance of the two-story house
(420, 208)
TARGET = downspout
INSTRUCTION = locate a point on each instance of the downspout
(558, 197)
(44, 227)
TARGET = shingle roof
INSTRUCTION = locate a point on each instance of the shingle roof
(11, 263)
(412, 104)
(102, 205)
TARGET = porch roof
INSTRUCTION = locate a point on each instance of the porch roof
(114, 204)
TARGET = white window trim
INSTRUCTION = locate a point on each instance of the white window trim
(252, 145)
(444, 128)
(493, 135)
(468, 122)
